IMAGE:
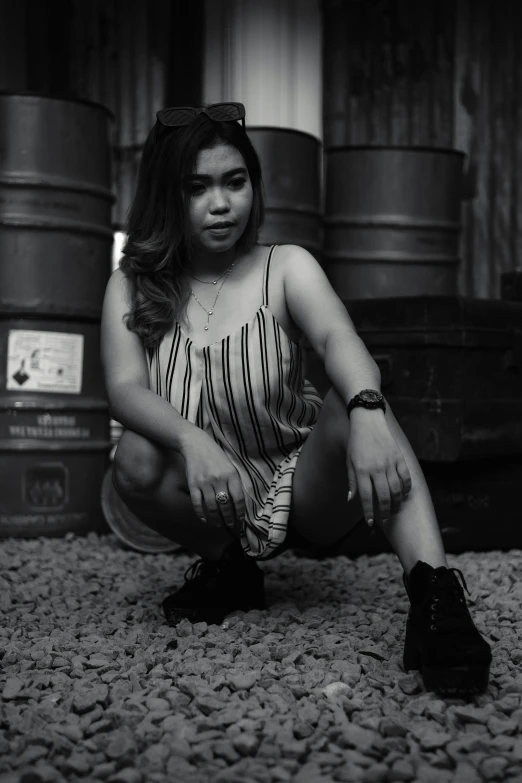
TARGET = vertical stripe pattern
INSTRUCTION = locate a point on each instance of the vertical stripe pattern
(249, 394)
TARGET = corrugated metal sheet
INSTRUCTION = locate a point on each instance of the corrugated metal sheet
(443, 74)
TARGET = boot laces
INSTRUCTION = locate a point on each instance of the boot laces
(202, 570)
(448, 603)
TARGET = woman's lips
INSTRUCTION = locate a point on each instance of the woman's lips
(220, 231)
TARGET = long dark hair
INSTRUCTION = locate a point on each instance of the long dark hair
(159, 240)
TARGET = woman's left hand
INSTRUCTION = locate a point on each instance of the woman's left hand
(374, 458)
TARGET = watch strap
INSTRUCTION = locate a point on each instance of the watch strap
(358, 402)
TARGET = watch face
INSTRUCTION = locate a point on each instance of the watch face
(367, 395)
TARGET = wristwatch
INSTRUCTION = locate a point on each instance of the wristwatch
(367, 398)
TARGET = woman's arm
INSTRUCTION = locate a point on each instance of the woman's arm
(373, 457)
(150, 415)
(350, 366)
(132, 403)
(319, 313)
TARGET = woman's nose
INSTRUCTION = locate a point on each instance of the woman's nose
(219, 200)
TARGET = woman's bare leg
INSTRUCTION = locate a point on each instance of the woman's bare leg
(320, 512)
(151, 481)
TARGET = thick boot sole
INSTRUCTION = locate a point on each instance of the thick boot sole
(447, 680)
(457, 680)
(212, 615)
(214, 609)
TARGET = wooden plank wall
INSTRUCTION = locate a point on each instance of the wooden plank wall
(488, 128)
(131, 56)
(442, 73)
(388, 72)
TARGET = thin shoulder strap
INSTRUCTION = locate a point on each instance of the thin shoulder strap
(265, 276)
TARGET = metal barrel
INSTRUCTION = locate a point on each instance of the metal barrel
(392, 221)
(54, 427)
(55, 261)
(291, 163)
(55, 205)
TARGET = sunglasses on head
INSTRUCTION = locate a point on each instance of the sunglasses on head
(176, 116)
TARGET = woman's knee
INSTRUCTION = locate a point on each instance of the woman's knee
(138, 465)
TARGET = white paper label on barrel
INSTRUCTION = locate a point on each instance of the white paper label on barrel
(44, 361)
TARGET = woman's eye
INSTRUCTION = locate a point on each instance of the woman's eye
(236, 184)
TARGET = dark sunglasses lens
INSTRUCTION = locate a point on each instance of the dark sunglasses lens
(177, 116)
(222, 112)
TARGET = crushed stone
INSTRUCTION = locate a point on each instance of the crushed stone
(95, 686)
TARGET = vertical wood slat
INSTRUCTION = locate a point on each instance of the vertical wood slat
(36, 35)
(400, 103)
(516, 148)
(308, 75)
(444, 73)
(13, 42)
(143, 109)
(481, 150)
(394, 65)
(77, 65)
(125, 107)
(358, 44)
(109, 57)
(488, 129)
(159, 25)
(383, 81)
(500, 88)
(94, 51)
(420, 68)
(465, 100)
(335, 62)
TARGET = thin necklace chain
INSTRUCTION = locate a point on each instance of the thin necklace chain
(212, 282)
(209, 282)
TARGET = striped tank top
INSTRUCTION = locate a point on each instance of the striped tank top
(249, 394)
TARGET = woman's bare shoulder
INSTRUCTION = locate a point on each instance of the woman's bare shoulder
(290, 255)
(122, 283)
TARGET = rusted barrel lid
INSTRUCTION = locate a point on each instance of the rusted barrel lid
(127, 527)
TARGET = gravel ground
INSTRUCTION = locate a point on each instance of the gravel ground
(97, 687)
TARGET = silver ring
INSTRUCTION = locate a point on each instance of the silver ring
(222, 497)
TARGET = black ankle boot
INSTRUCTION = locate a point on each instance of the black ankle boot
(214, 589)
(442, 641)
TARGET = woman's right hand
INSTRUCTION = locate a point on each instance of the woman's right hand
(209, 471)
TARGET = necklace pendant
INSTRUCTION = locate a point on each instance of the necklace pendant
(206, 327)
(210, 312)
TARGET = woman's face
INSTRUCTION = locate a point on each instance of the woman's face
(220, 191)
